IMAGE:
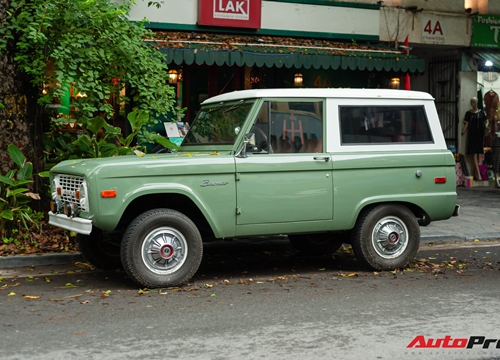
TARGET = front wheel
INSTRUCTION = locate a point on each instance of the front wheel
(386, 237)
(161, 248)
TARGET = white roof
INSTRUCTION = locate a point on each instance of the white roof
(321, 93)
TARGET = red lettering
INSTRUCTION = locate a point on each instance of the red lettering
(419, 342)
(437, 28)
(446, 342)
(431, 344)
(428, 27)
(459, 343)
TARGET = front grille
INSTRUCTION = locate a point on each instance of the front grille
(70, 184)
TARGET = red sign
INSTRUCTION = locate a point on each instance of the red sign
(230, 13)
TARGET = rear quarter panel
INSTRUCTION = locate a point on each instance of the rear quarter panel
(365, 174)
(361, 179)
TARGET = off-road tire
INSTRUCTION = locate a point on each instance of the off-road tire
(386, 237)
(161, 248)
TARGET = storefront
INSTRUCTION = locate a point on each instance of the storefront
(485, 56)
(216, 47)
(210, 64)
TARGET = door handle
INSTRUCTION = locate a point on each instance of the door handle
(324, 158)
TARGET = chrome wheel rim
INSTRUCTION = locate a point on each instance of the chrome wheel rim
(164, 250)
(390, 237)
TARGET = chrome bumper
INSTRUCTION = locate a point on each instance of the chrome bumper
(76, 224)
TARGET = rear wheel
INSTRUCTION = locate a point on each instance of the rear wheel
(386, 237)
(317, 244)
(100, 248)
(161, 248)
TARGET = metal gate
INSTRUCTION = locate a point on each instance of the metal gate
(443, 86)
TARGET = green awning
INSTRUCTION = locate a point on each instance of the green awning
(298, 53)
(494, 57)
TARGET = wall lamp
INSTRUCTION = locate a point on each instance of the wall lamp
(298, 80)
(173, 76)
(395, 83)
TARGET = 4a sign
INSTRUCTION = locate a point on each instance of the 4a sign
(433, 31)
(232, 13)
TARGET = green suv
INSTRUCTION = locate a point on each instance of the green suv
(323, 166)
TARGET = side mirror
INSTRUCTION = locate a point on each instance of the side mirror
(246, 140)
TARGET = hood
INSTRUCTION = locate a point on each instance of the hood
(146, 165)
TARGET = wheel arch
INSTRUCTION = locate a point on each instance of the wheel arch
(175, 201)
(419, 213)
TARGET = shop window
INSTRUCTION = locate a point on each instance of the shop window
(384, 124)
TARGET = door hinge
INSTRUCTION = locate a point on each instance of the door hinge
(238, 210)
(237, 176)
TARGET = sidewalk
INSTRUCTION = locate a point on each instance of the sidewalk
(479, 219)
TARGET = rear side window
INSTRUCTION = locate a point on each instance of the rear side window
(384, 124)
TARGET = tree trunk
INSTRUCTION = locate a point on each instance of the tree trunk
(20, 123)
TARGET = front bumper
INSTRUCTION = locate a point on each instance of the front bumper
(76, 224)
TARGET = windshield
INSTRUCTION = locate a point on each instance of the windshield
(218, 124)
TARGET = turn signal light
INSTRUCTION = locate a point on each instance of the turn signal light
(108, 193)
(440, 180)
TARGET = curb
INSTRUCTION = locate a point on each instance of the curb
(15, 261)
(8, 262)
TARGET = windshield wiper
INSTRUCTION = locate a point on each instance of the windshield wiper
(215, 108)
(237, 105)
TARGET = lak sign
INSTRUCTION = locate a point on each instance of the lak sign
(230, 13)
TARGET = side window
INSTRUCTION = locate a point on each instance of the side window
(384, 124)
(284, 127)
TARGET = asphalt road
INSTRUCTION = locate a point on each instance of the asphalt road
(258, 301)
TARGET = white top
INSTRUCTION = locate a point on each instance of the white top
(321, 93)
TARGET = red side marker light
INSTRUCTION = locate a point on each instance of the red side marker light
(440, 180)
(108, 193)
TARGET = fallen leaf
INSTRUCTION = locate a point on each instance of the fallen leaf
(31, 297)
(11, 294)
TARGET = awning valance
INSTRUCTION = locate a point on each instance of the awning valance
(279, 52)
(494, 57)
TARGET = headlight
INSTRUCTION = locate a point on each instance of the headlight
(56, 190)
(84, 201)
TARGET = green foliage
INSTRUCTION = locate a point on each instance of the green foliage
(96, 138)
(91, 45)
(15, 196)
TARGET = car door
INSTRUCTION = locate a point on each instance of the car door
(287, 175)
